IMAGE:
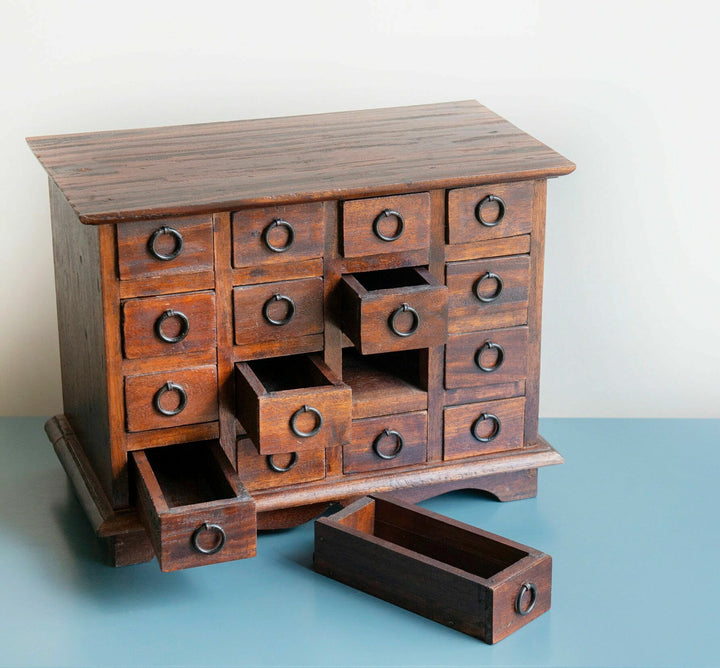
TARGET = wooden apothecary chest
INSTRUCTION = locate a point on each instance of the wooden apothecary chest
(258, 318)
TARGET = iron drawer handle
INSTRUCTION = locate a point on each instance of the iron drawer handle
(493, 434)
(279, 298)
(413, 327)
(483, 202)
(526, 586)
(160, 232)
(489, 345)
(170, 387)
(400, 225)
(206, 526)
(279, 222)
(487, 276)
(399, 443)
(184, 326)
(298, 413)
(282, 469)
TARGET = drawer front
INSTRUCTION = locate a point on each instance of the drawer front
(402, 318)
(169, 324)
(488, 294)
(278, 311)
(386, 442)
(278, 234)
(489, 212)
(258, 471)
(477, 429)
(165, 247)
(187, 396)
(193, 506)
(486, 358)
(386, 224)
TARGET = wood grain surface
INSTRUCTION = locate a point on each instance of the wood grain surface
(130, 174)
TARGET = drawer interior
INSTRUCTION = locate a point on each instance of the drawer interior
(432, 537)
(391, 279)
(188, 474)
(278, 374)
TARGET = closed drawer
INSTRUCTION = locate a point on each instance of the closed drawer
(169, 324)
(486, 358)
(386, 442)
(172, 398)
(267, 471)
(386, 224)
(489, 212)
(394, 309)
(165, 247)
(278, 311)
(194, 508)
(488, 294)
(289, 404)
(477, 429)
(278, 234)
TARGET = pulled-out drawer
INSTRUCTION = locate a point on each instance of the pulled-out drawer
(386, 442)
(489, 212)
(267, 471)
(391, 224)
(194, 508)
(478, 429)
(279, 310)
(488, 294)
(288, 404)
(169, 324)
(453, 573)
(478, 359)
(278, 234)
(394, 309)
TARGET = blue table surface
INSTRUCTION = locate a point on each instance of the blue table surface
(631, 521)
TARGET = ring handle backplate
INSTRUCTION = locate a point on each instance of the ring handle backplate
(161, 231)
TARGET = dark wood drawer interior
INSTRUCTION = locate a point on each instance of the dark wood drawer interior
(394, 309)
(380, 225)
(273, 234)
(168, 325)
(278, 311)
(456, 574)
(193, 506)
(165, 247)
(288, 404)
(489, 212)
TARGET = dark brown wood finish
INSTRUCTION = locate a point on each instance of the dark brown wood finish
(445, 570)
(224, 166)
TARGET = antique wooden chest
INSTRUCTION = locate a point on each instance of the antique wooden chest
(259, 318)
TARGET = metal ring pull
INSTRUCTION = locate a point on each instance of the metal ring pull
(493, 434)
(298, 413)
(488, 276)
(398, 231)
(282, 469)
(279, 298)
(413, 327)
(184, 326)
(489, 345)
(279, 222)
(170, 387)
(399, 443)
(206, 526)
(483, 202)
(526, 587)
(160, 232)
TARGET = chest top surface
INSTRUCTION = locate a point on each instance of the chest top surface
(154, 172)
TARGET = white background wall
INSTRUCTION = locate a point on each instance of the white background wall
(627, 90)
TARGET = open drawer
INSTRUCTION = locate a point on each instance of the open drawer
(288, 404)
(394, 309)
(194, 507)
(471, 580)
